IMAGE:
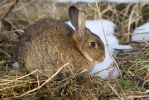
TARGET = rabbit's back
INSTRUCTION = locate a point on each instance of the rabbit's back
(47, 45)
(46, 25)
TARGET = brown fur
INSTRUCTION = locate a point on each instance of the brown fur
(49, 44)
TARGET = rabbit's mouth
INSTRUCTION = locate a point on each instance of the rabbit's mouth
(96, 59)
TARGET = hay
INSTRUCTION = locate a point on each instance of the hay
(133, 83)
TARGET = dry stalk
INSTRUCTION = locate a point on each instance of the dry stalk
(10, 9)
(105, 37)
(114, 90)
(49, 79)
(23, 5)
(10, 81)
(103, 70)
(5, 52)
(123, 93)
(26, 13)
(132, 97)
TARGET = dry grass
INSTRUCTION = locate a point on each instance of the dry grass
(132, 85)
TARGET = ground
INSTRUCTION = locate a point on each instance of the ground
(133, 82)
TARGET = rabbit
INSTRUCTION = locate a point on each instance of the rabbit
(105, 69)
(49, 44)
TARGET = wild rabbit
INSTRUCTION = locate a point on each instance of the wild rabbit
(49, 44)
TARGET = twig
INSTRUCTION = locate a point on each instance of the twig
(10, 9)
(132, 97)
(114, 90)
(43, 83)
(106, 38)
(5, 52)
(18, 78)
(123, 93)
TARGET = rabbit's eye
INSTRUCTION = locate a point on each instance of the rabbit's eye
(93, 44)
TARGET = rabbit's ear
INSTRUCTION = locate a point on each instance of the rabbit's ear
(73, 14)
(81, 23)
(77, 19)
